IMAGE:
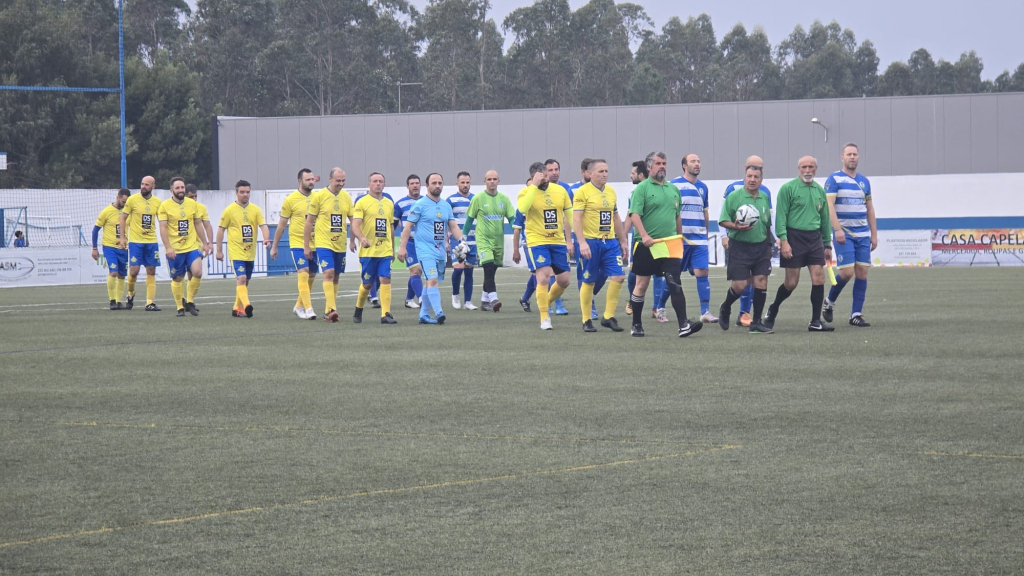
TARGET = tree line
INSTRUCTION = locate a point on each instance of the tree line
(323, 57)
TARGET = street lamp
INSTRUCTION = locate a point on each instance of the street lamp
(818, 122)
(400, 84)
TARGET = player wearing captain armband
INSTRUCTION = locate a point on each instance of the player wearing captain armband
(547, 209)
(856, 233)
(488, 211)
(240, 220)
(325, 225)
(138, 235)
(372, 220)
(430, 221)
(185, 242)
(109, 223)
(747, 216)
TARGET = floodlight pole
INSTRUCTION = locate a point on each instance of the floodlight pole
(400, 84)
(818, 122)
(120, 58)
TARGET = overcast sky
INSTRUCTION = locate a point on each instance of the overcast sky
(992, 28)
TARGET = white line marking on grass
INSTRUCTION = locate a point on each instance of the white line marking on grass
(363, 494)
(976, 455)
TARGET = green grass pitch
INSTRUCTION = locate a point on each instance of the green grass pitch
(141, 443)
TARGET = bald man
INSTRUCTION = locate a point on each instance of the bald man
(489, 210)
(139, 218)
(747, 298)
(805, 238)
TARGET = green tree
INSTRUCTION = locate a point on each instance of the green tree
(152, 25)
(748, 71)
(825, 62)
(687, 56)
(539, 72)
(1006, 82)
(463, 56)
(898, 80)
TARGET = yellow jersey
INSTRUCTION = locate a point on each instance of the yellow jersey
(545, 220)
(377, 217)
(241, 223)
(204, 215)
(295, 207)
(181, 220)
(330, 210)
(110, 221)
(142, 215)
(598, 207)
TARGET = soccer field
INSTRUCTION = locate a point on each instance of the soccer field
(141, 443)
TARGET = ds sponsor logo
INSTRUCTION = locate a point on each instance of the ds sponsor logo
(15, 268)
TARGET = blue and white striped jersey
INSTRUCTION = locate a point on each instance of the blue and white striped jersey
(693, 203)
(460, 205)
(851, 195)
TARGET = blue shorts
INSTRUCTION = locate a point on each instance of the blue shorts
(299, 258)
(410, 255)
(242, 267)
(375, 267)
(330, 260)
(605, 260)
(182, 262)
(117, 260)
(553, 255)
(433, 266)
(529, 259)
(854, 251)
(143, 254)
(472, 259)
(694, 258)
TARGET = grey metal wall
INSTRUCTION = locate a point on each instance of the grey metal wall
(898, 136)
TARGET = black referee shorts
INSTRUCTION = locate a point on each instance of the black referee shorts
(808, 250)
(747, 259)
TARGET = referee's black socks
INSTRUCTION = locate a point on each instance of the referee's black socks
(817, 298)
(638, 309)
(731, 297)
(781, 295)
(760, 295)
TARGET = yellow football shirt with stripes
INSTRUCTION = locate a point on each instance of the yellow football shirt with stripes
(142, 218)
(242, 223)
(330, 210)
(295, 208)
(181, 229)
(377, 217)
(598, 208)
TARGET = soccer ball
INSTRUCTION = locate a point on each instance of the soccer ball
(747, 215)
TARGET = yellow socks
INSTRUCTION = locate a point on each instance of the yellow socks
(119, 291)
(177, 290)
(151, 289)
(193, 288)
(131, 285)
(543, 299)
(364, 293)
(112, 288)
(556, 292)
(305, 292)
(385, 299)
(242, 296)
(586, 299)
(612, 298)
(331, 295)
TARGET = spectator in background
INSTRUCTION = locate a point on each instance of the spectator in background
(19, 239)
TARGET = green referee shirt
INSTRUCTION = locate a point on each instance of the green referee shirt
(738, 198)
(658, 207)
(802, 206)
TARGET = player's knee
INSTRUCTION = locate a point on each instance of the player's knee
(861, 272)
